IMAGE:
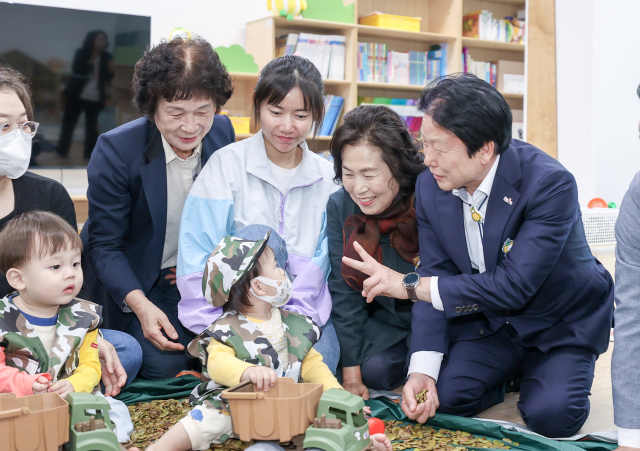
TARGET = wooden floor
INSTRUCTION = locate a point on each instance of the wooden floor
(601, 416)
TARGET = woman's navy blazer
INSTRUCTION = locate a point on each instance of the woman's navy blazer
(124, 236)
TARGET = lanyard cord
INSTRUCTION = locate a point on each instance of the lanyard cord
(477, 217)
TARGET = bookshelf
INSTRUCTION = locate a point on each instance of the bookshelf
(441, 23)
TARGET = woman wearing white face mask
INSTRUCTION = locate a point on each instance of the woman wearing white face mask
(22, 191)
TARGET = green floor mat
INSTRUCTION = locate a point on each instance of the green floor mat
(386, 409)
(143, 390)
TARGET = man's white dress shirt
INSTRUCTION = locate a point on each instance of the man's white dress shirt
(428, 362)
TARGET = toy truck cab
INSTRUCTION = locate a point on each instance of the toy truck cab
(91, 430)
(340, 425)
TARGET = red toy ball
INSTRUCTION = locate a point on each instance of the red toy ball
(376, 426)
(597, 203)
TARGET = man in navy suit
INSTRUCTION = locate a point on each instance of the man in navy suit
(139, 178)
(508, 289)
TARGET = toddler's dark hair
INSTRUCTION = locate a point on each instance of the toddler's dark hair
(36, 234)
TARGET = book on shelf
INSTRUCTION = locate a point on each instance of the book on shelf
(338, 49)
(326, 52)
(437, 61)
(406, 108)
(379, 65)
(333, 107)
(286, 44)
(482, 25)
(485, 70)
(372, 62)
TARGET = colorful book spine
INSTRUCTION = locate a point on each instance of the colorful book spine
(404, 107)
(376, 63)
(333, 107)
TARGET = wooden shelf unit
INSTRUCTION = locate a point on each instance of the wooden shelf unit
(441, 22)
(492, 45)
(511, 95)
(389, 86)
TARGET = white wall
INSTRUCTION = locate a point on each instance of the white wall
(220, 22)
(598, 72)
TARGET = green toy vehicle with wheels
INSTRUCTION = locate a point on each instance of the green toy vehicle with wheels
(91, 429)
(42, 423)
(299, 416)
(340, 425)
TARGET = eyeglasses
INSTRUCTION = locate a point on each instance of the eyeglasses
(29, 128)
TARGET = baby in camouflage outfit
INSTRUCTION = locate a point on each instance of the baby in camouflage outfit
(48, 337)
(254, 340)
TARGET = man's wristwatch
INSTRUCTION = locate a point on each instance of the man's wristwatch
(410, 283)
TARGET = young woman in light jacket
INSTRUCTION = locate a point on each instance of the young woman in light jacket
(271, 179)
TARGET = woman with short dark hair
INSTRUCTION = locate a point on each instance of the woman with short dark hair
(377, 161)
(272, 179)
(139, 178)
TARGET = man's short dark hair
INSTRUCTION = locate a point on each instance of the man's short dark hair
(181, 69)
(471, 109)
(36, 231)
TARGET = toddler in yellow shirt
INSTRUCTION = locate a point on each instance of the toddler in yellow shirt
(254, 340)
(48, 337)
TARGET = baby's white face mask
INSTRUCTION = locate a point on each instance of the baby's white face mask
(283, 291)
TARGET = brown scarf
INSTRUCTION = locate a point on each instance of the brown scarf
(399, 221)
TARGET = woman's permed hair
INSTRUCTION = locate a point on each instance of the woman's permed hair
(35, 234)
(471, 109)
(181, 69)
(239, 293)
(11, 79)
(380, 127)
(282, 75)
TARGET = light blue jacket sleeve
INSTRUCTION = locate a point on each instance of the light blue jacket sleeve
(311, 295)
(207, 217)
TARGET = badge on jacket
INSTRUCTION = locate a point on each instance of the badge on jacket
(506, 247)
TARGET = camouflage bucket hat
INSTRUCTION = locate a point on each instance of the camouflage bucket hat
(231, 260)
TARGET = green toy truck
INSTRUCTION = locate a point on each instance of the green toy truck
(299, 416)
(41, 423)
(91, 428)
(340, 425)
